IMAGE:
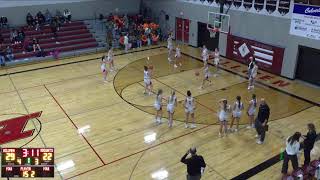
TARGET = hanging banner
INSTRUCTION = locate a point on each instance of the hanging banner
(305, 21)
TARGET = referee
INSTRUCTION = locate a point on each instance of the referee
(195, 164)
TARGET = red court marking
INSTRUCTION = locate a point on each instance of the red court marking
(151, 147)
(13, 129)
(74, 125)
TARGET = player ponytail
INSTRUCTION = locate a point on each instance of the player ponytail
(239, 101)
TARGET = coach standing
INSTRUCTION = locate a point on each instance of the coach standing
(262, 121)
(195, 164)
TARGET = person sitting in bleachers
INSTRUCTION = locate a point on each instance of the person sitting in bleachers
(1, 40)
(54, 30)
(2, 57)
(13, 36)
(37, 23)
(59, 16)
(41, 18)
(30, 20)
(21, 36)
(27, 45)
(67, 15)
(9, 53)
(48, 17)
(4, 22)
(35, 44)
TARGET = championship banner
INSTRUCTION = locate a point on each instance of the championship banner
(305, 21)
(268, 57)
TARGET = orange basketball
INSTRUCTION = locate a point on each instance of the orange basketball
(151, 67)
(197, 73)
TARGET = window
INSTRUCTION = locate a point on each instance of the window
(258, 5)
(247, 4)
(271, 6)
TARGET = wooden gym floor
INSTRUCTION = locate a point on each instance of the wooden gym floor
(71, 94)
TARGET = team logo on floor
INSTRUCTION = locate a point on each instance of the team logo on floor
(14, 129)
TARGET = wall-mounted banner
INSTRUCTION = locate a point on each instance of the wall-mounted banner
(305, 21)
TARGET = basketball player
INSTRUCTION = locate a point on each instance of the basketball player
(104, 69)
(158, 107)
(223, 116)
(126, 43)
(189, 106)
(205, 54)
(236, 114)
(252, 73)
(172, 104)
(110, 59)
(147, 81)
(216, 59)
(178, 57)
(252, 110)
(206, 75)
(170, 47)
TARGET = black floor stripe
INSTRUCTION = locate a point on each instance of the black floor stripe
(259, 168)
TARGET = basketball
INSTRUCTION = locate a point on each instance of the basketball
(197, 73)
(151, 67)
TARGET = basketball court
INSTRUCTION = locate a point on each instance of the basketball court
(118, 137)
(106, 130)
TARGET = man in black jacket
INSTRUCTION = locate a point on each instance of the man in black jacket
(262, 121)
(195, 164)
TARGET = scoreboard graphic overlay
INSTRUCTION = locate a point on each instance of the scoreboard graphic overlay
(27, 162)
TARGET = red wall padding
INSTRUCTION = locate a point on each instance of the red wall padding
(234, 42)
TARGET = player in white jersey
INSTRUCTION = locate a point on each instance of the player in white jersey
(252, 110)
(104, 68)
(236, 113)
(205, 54)
(206, 75)
(172, 104)
(158, 107)
(223, 116)
(147, 81)
(110, 60)
(170, 47)
(216, 58)
(252, 73)
(178, 57)
(189, 106)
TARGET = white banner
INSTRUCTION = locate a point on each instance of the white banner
(305, 21)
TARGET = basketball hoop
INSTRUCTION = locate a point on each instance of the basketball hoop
(213, 32)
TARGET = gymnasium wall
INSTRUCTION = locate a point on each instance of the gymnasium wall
(266, 29)
(16, 11)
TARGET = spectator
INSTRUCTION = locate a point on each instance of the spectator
(53, 27)
(27, 45)
(21, 36)
(30, 20)
(290, 154)
(139, 42)
(126, 42)
(262, 121)
(37, 23)
(308, 143)
(59, 16)
(1, 40)
(57, 22)
(4, 21)
(35, 45)
(14, 36)
(2, 57)
(9, 53)
(67, 15)
(48, 17)
(195, 164)
(41, 18)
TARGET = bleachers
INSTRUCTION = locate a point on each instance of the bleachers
(71, 36)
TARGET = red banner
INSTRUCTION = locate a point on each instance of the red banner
(268, 57)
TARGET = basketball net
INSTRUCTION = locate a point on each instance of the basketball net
(213, 32)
